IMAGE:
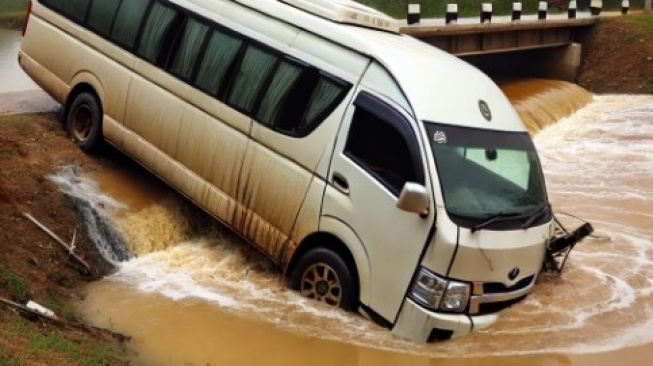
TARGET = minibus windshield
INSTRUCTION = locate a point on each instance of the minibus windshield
(489, 179)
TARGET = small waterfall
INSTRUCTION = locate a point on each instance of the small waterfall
(542, 102)
(95, 209)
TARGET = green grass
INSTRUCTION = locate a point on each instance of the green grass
(645, 22)
(80, 353)
(63, 309)
(15, 284)
(7, 359)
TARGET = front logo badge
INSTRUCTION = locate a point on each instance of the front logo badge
(485, 110)
(513, 273)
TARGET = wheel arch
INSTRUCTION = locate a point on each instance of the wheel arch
(337, 236)
(84, 82)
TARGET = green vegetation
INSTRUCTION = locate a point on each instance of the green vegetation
(12, 13)
(64, 310)
(81, 353)
(8, 360)
(645, 22)
(15, 284)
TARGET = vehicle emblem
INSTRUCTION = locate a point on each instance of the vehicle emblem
(485, 110)
(513, 273)
(439, 137)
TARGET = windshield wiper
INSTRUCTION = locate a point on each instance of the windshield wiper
(534, 217)
(501, 216)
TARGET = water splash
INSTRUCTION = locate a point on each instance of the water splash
(96, 209)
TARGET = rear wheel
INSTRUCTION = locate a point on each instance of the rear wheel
(323, 275)
(84, 122)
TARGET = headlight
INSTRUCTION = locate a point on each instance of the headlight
(436, 293)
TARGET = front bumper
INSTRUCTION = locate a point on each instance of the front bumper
(420, 325)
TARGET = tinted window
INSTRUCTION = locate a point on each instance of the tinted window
(54, 4)
(283, 80)
(128, 21)
(220, 54)
(379, 148)
(191, 41)
(75, 9)
(157, 26)
(250, 75)
(325, 97)
(102, 14)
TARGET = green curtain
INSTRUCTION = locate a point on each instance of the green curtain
(102, 14)
(253, 70)
(157, 25)
(282, 82)
(220, 53)
(76, 9)
(323, 96)
(128, 20)
(191, 41)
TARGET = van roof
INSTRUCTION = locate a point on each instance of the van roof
(440, 87)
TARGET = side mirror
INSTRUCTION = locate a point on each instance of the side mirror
(414, 198)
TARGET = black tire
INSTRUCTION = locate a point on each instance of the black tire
(323, 275)
(84, 122)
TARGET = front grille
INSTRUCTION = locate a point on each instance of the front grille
(438, 334)
(494, 307)
(498, 287)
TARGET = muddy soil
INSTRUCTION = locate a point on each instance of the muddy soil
(618, 58)
(33, 266)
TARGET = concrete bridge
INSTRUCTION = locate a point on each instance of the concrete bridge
(548, 48)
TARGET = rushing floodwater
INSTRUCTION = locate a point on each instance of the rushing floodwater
(194, 295)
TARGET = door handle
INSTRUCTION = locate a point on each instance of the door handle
(340, 183)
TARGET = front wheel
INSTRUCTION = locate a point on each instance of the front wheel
(323, 275)
(84, 122)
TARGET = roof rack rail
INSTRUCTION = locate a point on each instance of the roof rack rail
(347, 12)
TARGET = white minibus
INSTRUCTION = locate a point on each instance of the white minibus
(383, 175)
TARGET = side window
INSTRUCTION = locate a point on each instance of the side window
(218, 57)
(192, 40)
(310, 100)
(128, 21)
(76, 9)
(102, 14)
(382, 142)
(54, 4)
(328, 93)
(284, 79)
(250, 74)
(157, 26)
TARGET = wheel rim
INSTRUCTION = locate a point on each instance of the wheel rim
(320, 282)
(82, 122)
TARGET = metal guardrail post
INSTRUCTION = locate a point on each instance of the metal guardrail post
(516, 11)
(413, 13)
(571, 11)
(486, 13)
(451, 16)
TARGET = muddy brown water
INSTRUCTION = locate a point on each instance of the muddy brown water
(189, 298)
